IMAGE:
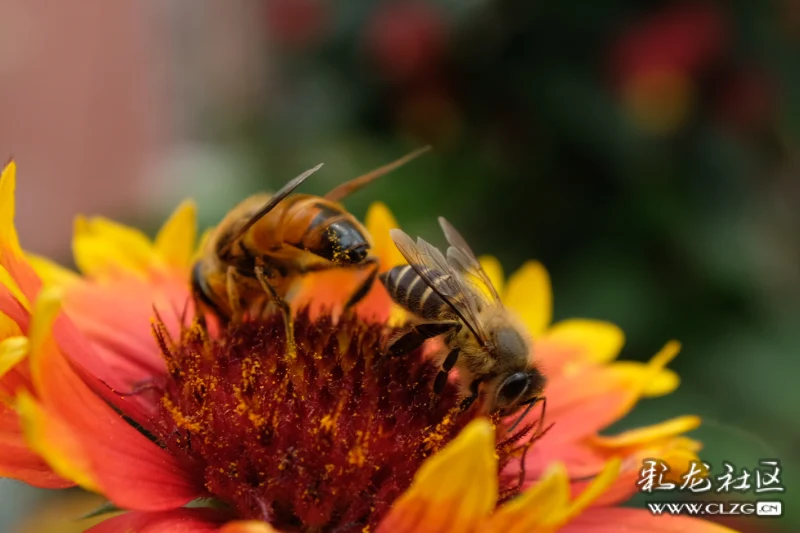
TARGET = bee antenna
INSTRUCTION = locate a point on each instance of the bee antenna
(527, 410)
(348, 188)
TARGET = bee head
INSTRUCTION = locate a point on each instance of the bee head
(343, 243)
(519, 388)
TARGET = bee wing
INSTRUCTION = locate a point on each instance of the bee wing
(462, 259)
(439, 275)
(274, 200)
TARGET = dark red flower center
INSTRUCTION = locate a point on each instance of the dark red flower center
(324, 440)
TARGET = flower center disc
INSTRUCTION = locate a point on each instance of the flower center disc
(325, 440)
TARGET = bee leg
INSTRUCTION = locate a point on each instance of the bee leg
(366, 285)
(469, 400)
(286, 311)
(418, 334)
(234, 300)
(447, 366)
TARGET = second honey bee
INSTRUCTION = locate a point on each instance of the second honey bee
(453, 297)
(251, 259)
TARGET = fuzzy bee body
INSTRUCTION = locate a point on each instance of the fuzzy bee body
(410, 291)
(261, 247)
(303, 233)
(453, 297)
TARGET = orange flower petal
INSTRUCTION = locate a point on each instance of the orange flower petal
(584, 404)
(453, 490)
(250, 526)
(175, 242)
(528, 293)
(8, 233)
(528, 512)
(173, 521)
(54, 440)
(12, 351)
(15, 273)
(8, 327)
(123, 339)
(546, 506)
(591, 341)
(494, 270)
(81, 437)
(52, 273)
(677, 452)
(105, 250)
(18, 461)
(14, 373)
(613, 520)
(648, 434)
(11, 308)
(7, 281)
(663, 383)
(379, 221)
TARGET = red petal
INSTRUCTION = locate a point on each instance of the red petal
(376, 305)
(19, 376)
(11, 307)
(17, 461)
(16, 379)
(581, 405)
(176, 521)
(106, 373)
(124, 337)
(21, 272)
(133, 471)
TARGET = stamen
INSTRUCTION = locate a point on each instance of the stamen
(325, 438)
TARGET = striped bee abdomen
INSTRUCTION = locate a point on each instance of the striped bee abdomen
(411, 292)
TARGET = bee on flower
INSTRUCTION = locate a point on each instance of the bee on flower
(324, 441)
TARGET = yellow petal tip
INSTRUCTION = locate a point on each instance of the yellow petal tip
(12, 351)
(443, 481)
(529, 294)
(8, 232)
(45, 311)
(494, 269)
(47, 436)
(248, 526)
(665, 356)
(175, 242)
(379, 221)
(665, 382)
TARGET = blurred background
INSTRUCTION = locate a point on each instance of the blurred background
(645, 151)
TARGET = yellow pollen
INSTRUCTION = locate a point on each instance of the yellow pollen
(179, 418)
(356, 456)
(436, 438)
(327, 422)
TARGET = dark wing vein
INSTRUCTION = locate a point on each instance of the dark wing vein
(274, 200)
(461, 257)
(436, 272)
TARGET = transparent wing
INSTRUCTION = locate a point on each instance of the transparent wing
(437, 273)
(462, 259)
(274, 200)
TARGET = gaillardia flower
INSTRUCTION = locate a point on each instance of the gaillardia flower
(111, 381)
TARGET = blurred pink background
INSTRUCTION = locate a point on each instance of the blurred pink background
(91, 105)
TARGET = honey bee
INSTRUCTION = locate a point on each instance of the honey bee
(251, 259)
(454, 297)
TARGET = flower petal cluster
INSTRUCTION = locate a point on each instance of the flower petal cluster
(78, 356)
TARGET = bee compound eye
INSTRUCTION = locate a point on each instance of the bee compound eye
(513, 387)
